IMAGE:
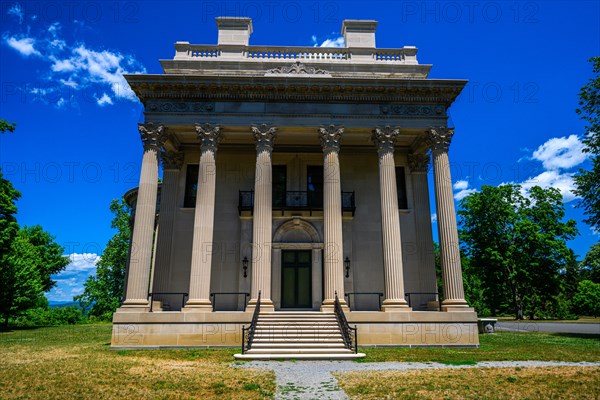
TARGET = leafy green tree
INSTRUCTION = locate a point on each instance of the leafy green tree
(591, 264)
(51, 261)
(517, 246)
(587, 298)
(6, 126)
(103, 292)
(588, 182)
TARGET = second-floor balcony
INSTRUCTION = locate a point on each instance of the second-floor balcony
(296, 201)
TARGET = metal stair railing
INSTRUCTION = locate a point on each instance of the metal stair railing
(350, 341)
(249, 337)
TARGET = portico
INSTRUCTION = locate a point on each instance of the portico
(292, 175)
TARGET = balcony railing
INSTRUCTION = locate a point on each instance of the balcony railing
(296, 201)
(405, 55)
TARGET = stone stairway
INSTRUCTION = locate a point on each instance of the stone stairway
(304, 335)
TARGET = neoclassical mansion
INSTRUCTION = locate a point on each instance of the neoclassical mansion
(294, 201)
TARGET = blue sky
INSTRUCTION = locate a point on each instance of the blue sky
(77, 147)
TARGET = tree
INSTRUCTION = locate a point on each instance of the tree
(103, 292)
(6, 126)
(28, 256)
(517, 246)
(8, 231)
(587, 298)
(591, 264)
(588, 182)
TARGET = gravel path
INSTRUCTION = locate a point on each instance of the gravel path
(313, 379)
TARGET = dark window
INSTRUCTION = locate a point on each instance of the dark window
(191, 185)
(279, 185)
(401, 188)
(314, 185)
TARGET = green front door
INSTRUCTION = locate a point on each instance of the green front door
(296, 279)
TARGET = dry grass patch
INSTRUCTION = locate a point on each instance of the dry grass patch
(475, 383)
(76, 362)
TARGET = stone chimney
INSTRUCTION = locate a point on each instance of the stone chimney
(359, 33)
(234, 30)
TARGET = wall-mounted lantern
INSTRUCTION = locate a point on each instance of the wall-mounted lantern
(245, 266)
(347, 265)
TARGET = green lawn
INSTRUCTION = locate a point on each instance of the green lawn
(75, 362)
(501, 346)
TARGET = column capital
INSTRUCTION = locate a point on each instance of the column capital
(153, 135)
(385, 138)
(439, 138)
(331, 137)
(264, 135)
(209, 135)
(171, 160)
(418, 163)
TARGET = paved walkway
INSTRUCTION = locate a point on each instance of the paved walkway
(313, 379)
(558, 327)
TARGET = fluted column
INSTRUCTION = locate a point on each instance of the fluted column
(263, 215)
(204, 215)
(419, 164)
(333, 263)
(172, 163)
(385, 138)
(145, 213)
(454, 297)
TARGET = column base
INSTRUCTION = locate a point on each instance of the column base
(393, 305)
(328, 305)
(459, 305)
(266, 305)
(134, 305)
(198, 305)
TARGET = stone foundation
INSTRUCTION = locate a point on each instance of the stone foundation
(224, 329)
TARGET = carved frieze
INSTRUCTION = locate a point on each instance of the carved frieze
(180, 106)
(434, 110)
(296, 69)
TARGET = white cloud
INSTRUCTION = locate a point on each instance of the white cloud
(82, 262)
(561, 181)
(336, 42)
(460, 185)
(463, 190)
(25, 46)
(105, 99)
(561, 153)
(17, 11)
(77, 65)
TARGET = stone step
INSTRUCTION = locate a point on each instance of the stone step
(320, 356)
(286, 340)
(308, 350)
(294, 330)
(275, 345)
(296, 318)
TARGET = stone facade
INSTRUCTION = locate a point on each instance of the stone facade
(298, 173)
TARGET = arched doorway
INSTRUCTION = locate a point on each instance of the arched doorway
(297, 266)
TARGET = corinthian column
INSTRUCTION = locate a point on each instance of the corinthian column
(385, 138)
(454, 296)
(172, 163)
(263, 215)
(418, 164)
(145, 213)
(332, 216)
(204, 215)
